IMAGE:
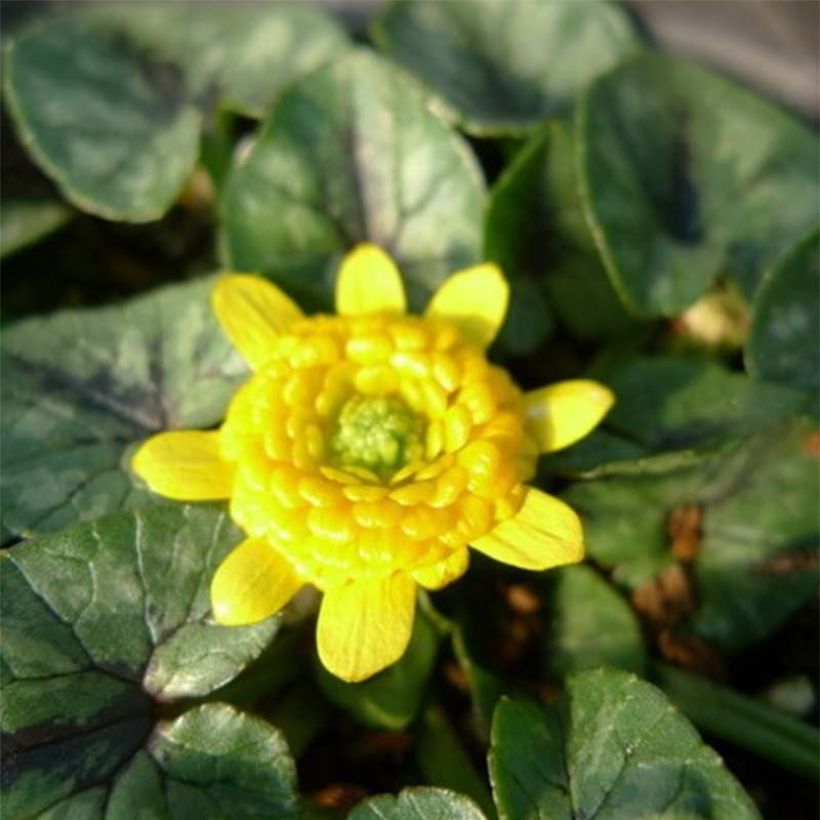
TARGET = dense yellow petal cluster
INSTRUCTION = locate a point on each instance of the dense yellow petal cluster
(443, 448)
(369, 450)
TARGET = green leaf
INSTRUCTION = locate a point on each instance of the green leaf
(26, 222)
(590, 625)
(784, 341)
(671, 408)
(241, 55)
(391, 699)
(748, 722)
(686, 176)
(111, 126)
(666, 403)
(444, 761)
(420, 803)
(612, 747)
(757, 558)
(536, 231)
(347, 155)
(502, 68)
(81, 387)
(102, 623)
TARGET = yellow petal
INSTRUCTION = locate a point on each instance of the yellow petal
(475, 301)
(253, 312)
(365, 625)
(563, 413)
(369, 282)
(544, 533)
(440, 574)
(184, 465)
(253, 582)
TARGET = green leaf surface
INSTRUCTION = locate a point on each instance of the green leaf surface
(391, 699)
(686, 176)
(759, 531)
(26, 222)
(445, 762)
(670, 410)
(353, 154)
(612, 747)
(420, 803)
(101, 623)
(536, 231)
(784, 340)
(590, 625)
(241, 54)
(504, 67)
(110, 125)
(81, 387)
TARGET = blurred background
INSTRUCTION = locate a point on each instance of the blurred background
(771, 45)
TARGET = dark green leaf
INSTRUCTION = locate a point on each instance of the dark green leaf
(81, 387)
(26, 222)
(445, 762)
(100, 622)
(668, 408)
(391, 699)
(418, 804)
(242, 54)
(591, 625)
(111, 126)
(613, 747)
(757, 560)
(502, 68)
(784, 341)
(686, 176)
(350, 154)
(669, 403)
(536, 231)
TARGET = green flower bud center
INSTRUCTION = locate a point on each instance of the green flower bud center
(381, 434)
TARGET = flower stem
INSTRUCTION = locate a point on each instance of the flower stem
(744, 721)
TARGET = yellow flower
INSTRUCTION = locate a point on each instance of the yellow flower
(368, 450)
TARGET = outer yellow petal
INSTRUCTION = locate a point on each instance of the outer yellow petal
(369, 282)
(475, 301)
(440, 574)
(544, 533)
(253, 312)
(253, 582)
(184, 465)
(365, 625)
(563, 413)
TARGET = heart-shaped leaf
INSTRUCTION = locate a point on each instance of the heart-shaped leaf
(536, 231)
(109, 100)
(242, 55)
(418, 803)
(82, 386)
(590, 625)
(686, 176)
(612, 747)
(353, 154)
(502, 68)
(784, 341)
(111, 126)
(102, 623)
(756, 549)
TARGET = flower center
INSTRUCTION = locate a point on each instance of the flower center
(381, 434)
